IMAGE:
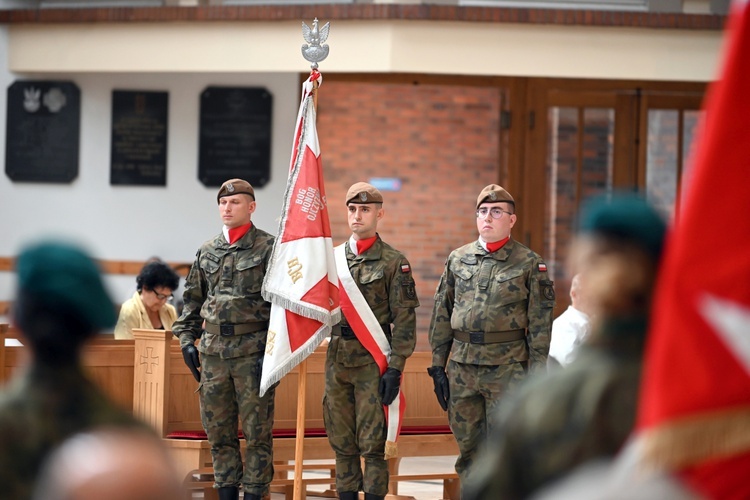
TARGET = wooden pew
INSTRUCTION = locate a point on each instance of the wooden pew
(147, 375)
(182, 414)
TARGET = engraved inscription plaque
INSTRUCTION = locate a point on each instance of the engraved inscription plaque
(139, 138)
(42, 131)
(235, 135)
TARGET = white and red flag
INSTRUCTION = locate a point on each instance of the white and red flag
(694, 412)
(301, 281)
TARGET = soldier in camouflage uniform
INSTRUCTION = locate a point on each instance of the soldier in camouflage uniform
(586, 410)
(60, 304)
(224, 309)
(355, 391)
(492, 317)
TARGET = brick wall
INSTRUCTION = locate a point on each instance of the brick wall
(442, 142)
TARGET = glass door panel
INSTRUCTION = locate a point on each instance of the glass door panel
(670, 135)
(580, 146)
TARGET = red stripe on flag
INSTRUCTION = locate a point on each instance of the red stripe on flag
(300, 329)
(307, 216)
(323, 294)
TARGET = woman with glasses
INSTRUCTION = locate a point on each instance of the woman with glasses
(149, 306)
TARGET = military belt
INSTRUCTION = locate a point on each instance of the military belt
(347, 333)
(230, 330)
(489, 337)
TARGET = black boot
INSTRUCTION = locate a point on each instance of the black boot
(348, 495)
(229, 493)
(372, 496)
(252, 496)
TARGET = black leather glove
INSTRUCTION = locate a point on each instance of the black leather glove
(190, 355)
(388, 387)
(440, 380)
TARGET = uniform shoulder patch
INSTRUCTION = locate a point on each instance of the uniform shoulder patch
(548, 289)
(405, 268)
(542, 267)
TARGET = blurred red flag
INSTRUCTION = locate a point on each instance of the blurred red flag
(694, 413)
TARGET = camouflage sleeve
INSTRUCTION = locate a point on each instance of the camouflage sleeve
(540, 311)
(441, 333)
(402, 301)
(189, 325)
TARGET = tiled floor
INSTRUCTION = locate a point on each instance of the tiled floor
(420, 490)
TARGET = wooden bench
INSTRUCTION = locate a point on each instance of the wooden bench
(147, 375)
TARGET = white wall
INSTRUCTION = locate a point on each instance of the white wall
(130, 222)
(436, 47)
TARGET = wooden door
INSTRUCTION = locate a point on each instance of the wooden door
(586, 138)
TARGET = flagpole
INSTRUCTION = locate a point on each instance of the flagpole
(299, 449)
(313, 52)
(299, 444)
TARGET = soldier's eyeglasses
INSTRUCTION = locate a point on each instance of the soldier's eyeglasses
(495, 212)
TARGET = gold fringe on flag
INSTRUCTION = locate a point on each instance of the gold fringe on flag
(692, 440)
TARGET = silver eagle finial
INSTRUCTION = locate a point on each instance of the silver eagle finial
(313, 51)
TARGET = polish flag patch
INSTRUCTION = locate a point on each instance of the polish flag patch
(405, 268)
(542, 267)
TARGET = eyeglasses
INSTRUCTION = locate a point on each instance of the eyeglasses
(161, 296)
(495, 212)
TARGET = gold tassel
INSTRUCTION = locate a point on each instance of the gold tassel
(391, 450)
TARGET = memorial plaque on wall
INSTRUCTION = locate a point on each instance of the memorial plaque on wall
(139, 138)
(235, 135)
(42, 131)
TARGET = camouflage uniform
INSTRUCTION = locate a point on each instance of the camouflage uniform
(559, 421)
(223, 288)
(352, 411)
(479, 295)
(38, 411)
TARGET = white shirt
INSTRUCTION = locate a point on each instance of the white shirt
(568, 331)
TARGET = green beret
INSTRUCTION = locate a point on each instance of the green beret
(626, 216)
(63, 273)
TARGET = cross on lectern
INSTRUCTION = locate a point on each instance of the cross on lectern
(145, 359)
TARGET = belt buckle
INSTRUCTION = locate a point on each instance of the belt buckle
(226, 330)
(476, 337)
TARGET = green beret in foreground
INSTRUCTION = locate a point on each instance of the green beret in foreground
(235, 186)
(63, 273)
(626, 216)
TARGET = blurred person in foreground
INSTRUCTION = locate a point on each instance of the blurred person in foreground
(559, 421)
(148, 307)
(109, 463)
(60, 303)
(571, 328)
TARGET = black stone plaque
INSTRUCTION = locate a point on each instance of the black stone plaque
(42, 131)
(139, 138)
(235, 135)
